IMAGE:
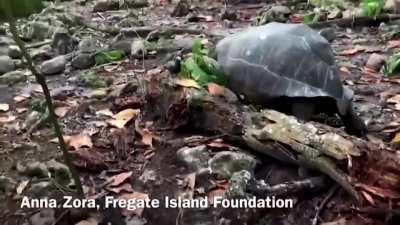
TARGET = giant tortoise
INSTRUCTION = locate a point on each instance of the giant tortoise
(289, 67)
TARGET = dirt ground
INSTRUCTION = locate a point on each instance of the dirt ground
(154, 166)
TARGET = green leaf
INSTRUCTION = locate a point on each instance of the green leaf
(393, 66)
(372, 8)
(309, 18)
(19, 8)
(197, 47)
(109, 56)
(91, 80)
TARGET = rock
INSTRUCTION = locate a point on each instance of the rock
(6, 64)
(87, 45)
(13, 77)
(37, 30)
(123, 45)
(7, 185)
(138, 49)
(41, 190)
(375, 62)
(14, 52)
(44, 217)
(328, 33)
(83, 61)
(54, 66)
(278, 13)
(225, 164)
(105, 5)
(181, 9)
(60, 172)
(62, 42)
(238, 184)
(228, 15)
(392, 6)
(36, 169)
(6, 40)
(195, 158)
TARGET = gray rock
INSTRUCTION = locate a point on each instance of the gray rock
(14, 52)
(225, 164)
(375, 61)
(6, 40)
(60, 172)
(36, 169)
(13, 77)
(83, 61)
(328, 33)
(105, 5)
(238, 184)
(6, 64)
(87, 45)
(37, 30)
(41, 190)
(62, 42)
(123, 45)
(138, 49)
(44, 217)
(7, 185)
(194, 158)
(54, 66)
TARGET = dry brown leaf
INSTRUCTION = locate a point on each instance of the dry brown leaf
(78, 141)
(21, 97)
(394, 43)
(7, 119)
(135, 195)
(119, 179)
(62, 111)
(216, 90)
(396, 139)
(4, 107)
(345, 70)
(341, 221)
(187, 83)
(89, 221)
(383, 193)
(368, 197)
(122, 188)
(22, 186)
(105, 112)
(123, 117)
(395, 100)
(147, 138)
(352, 51)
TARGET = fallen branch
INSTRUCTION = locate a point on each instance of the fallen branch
(262, 190)
(356, 21)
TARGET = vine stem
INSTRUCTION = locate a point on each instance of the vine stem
(52, 116)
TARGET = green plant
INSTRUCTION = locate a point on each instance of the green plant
(393, 65)
(9, 11)
(201, 67)
(372, 8)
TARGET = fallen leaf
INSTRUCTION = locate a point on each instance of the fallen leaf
(147, 138)
(341, 221)
(187, 83)
(21, 110)
(62, 111)
(352, 51)
(105, 112)
(394, 43)
(21, 187)
(345, 70)
(21, 97)
(119, 179)
(383, 193)
(216, 90)
(123, 117)
(122, 188)
(78, 141)
(89, 221)
(137, 196)
(7, 119)
(4, 107)
(396, 139)
(217, 191)
(395, 100)
(368, 197)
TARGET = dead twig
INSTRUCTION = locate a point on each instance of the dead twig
(259, 188)
(321, 206)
